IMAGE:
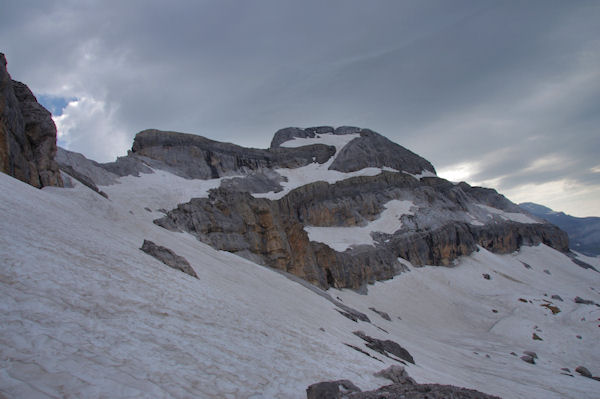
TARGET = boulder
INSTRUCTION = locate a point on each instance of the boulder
(583, 371)
(385, 347)
(168, 257)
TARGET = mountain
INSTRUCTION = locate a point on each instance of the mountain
(584, 233)
(194, 268)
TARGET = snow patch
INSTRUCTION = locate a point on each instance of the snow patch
(339, 141)
(158, 190)
(343, 238)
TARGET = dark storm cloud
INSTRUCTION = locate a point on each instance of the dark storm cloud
(510, 88)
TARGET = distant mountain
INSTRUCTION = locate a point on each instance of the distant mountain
(584, 233)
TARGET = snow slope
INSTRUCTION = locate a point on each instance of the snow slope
(85, 313)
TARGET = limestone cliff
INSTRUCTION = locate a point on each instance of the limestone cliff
(27, 134)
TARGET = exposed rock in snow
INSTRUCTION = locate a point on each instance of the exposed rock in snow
(385, 347)
(583, 371)
(168, 257)
(403, 387)
(384, 315)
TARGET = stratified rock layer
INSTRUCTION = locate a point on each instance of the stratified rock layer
(272, 232)
(197, 157)
(27, 134)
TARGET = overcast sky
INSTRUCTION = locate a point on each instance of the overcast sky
(504, 94)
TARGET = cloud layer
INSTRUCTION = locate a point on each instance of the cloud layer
(497, 93)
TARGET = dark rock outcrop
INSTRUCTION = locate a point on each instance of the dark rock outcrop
(583, 371)
(403, 387)
(383, 315)
(385, 347)
(584, 301)
(27, 135)
(331, 389)
(422, 391)
(168, 257)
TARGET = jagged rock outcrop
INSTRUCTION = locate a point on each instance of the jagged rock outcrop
(27, 134)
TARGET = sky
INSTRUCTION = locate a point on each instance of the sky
(503, 94)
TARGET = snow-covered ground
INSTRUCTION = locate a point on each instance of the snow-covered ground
(85, 313)
(342, 238)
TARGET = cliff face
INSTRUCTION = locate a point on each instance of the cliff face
(27, 134)
(272, 232)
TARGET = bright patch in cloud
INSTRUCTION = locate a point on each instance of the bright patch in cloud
(88, 126)
(548, 163)
(459, 172)
(561, 195)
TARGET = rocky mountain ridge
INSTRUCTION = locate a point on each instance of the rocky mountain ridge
(252, 215)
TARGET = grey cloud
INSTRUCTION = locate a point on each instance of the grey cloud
(501, 84)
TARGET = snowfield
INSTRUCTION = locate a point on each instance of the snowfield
(85, 313)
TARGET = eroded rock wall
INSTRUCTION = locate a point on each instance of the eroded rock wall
(27, 134)
(272, 232)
